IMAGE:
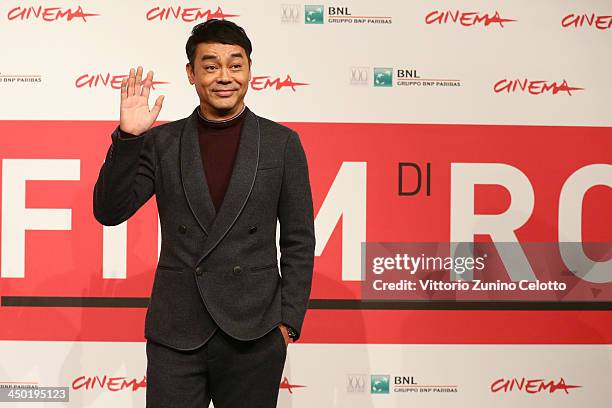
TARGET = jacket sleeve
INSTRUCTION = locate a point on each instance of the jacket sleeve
(127, 178)
(297, 236)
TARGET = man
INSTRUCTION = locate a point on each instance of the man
(220, 317)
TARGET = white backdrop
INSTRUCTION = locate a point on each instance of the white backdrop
(56, 71)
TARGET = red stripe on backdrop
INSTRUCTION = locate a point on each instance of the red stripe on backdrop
(458, 327)
(338, 326)
(68, 263)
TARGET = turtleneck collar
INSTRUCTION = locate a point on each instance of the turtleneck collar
(219, 124)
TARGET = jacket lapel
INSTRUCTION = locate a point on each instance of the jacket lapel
(216, 225)
(192, 175)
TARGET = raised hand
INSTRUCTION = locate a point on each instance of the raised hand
(135, 116)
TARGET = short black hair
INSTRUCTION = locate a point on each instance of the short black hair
(217, 31)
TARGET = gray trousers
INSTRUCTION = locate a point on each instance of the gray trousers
(230, 372)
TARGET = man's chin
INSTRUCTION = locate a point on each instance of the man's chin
(223, 109)
(226, 107)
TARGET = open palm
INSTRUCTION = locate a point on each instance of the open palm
(135, 115)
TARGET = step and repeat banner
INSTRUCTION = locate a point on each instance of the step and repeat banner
(460, 157)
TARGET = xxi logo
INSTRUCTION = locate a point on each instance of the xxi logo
(290, 13)
(360, 75)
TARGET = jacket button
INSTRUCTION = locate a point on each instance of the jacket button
(237, 269)
(199, 270)
(182, 229)
(252, 229)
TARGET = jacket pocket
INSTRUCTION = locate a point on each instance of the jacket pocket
(262, 267)
(174, 269)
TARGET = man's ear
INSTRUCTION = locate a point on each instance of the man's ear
(190, 75)
(250, 69)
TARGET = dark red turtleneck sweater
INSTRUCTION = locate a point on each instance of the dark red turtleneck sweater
(218, 147)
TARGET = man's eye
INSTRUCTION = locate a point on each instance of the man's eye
(237, 66)
(210, 68)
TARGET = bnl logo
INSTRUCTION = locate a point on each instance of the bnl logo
(313, 14)
(383, 77)
(379, 384)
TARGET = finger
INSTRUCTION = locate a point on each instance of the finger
(146, 85)
(157, 107)
(124, 82)
(137, 90)
(131, 79)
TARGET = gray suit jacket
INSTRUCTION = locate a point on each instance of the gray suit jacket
(217, 269)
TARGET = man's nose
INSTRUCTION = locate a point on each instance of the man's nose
(224, 75)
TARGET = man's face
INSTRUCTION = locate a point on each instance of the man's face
(221, 74)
